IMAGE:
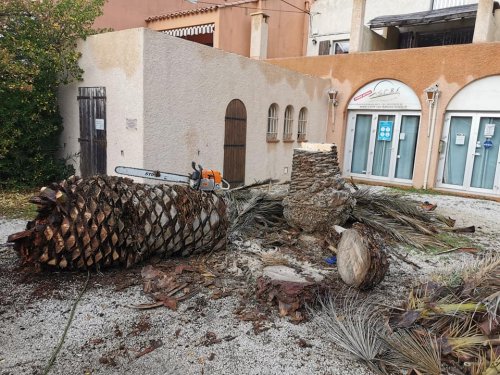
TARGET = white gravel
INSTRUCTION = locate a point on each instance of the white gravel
(104, 327)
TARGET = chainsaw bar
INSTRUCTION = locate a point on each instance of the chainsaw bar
(155, 175)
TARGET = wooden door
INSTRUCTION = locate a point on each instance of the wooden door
(235, 143)
(92, 105)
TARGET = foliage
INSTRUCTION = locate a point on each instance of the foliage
(38, 40)
(16, 205)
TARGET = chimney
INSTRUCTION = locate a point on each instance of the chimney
(357, 26)
(259, 36)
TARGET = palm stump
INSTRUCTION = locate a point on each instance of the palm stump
(105, 221)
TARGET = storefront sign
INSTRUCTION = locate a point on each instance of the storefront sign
(385, 94)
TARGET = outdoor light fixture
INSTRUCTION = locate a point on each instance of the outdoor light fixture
(314, 41)
(332, 97)
(431, 93)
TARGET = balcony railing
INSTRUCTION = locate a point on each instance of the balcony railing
(440, 4)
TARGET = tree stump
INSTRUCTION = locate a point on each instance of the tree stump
(361, 258)
(318, 197)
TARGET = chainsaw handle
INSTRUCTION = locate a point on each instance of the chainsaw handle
(225, 185)
(196, 175)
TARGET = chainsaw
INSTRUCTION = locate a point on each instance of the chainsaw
(200, 179)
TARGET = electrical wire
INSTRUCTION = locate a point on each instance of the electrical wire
(255, 8)
(66, 329)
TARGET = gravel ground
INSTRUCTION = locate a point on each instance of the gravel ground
(204, 336)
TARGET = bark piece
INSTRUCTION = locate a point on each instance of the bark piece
(361, 258)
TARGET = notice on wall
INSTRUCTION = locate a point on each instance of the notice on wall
(385, 130)
(489, 130)
(99, 124)
(402, 136)
(460, 139)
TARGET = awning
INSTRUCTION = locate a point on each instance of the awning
(424, 18)
(191, 30)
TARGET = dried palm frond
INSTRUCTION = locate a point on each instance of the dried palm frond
(254, 208)
(354, 325)
(391, 204)
(397, 216)
(395, 229)
(414, 350)
(482, 278)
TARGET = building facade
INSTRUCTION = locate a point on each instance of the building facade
(421, 117)
(159, 102)
(253, 28)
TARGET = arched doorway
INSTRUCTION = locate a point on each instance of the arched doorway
(469, 156)
(382, 132)
(235, 136)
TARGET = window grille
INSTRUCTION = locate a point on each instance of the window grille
(272, 123)
(288, 124)
(301, 133)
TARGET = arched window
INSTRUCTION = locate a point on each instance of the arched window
(288, 124)
(301, 133)
(272, 122)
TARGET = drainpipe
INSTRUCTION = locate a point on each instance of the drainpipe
(432, 98)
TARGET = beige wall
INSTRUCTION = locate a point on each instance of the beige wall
(452, 67)
(179, 91)
(186, 95)
(113, 60)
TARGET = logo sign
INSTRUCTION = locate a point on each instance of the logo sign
(385, 130)
(488, 144)
(385, 94)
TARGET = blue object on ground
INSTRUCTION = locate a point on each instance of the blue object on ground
(331, 260)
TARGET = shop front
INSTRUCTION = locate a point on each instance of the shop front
(382, 132)
(469, 147)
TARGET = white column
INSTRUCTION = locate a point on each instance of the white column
(259, 36)
(357, 26)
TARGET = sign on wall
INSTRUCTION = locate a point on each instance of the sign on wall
(385, 131)
(385, 94)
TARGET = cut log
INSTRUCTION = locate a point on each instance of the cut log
(106, 221)
(361, 258)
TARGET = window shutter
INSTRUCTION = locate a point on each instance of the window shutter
(324, 47)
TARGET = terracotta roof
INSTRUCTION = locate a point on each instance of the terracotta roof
(189, 12)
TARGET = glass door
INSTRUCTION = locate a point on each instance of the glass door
(486, 153)
(457, 150)
(382, 145)
(471, 160)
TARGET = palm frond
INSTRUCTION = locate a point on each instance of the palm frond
(398, 217)
(412, 350)
(354, 325)
(250, 209)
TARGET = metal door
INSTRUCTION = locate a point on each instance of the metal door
(235, 143)
(92, 105)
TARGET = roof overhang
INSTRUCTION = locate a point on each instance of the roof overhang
(427, 17)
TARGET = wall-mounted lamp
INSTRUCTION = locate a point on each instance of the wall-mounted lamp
(332, 97)
(432, 92)
(314, 41)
